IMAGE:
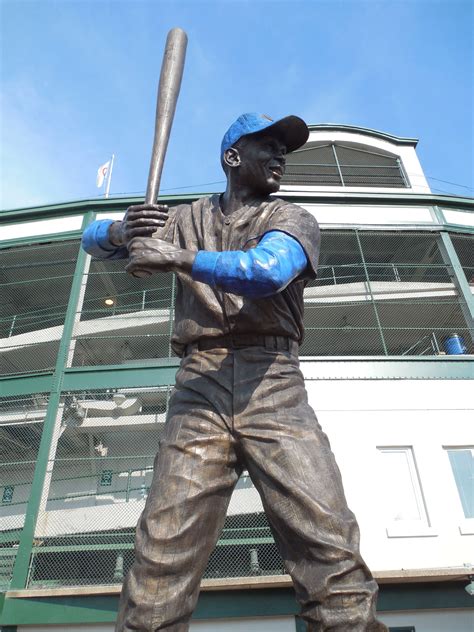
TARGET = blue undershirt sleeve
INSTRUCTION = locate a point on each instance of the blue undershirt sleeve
(262, 271)
(95, 241)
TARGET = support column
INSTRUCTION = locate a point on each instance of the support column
(458, 277)
(22, 561)
(369, 287)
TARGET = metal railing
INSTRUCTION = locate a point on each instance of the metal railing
(345, 175)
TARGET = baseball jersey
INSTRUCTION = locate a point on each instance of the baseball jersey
(203, 311)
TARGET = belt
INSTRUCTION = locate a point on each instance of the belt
(240, 341)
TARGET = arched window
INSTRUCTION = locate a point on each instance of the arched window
(341, 165)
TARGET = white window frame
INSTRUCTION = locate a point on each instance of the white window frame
(410, 528)
(465, 525)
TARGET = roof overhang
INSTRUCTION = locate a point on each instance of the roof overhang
(364, 131)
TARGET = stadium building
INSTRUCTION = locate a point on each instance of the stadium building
(87, 370)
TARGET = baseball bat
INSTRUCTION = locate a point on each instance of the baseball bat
(168, 92)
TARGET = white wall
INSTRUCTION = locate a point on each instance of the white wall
(41, 227)
(360, 416)
(373, 215)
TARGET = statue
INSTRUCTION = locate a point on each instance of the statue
(242, 260)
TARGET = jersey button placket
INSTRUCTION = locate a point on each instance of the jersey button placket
(226, 231)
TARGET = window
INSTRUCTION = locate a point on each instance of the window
(344, 166)
(464, 247)
(128, 320)
(383, 292)
(35, 284)
(462, 465)
(403, 506)
(7, 496)
(106, 478)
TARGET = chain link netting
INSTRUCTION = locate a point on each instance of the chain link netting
(35, 283)
(21, 426)
(339, 165)
(378, 293)
(383, 293)
(98, 479)
(122, 319)
(464, 247)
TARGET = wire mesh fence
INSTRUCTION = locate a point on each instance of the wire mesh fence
(377, 293)
(35, 283)
(98, 479)
(383, 293)
(21, 426)
(122, 319)
(339, 165)
(464, 247)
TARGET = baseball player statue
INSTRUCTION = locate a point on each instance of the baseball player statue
(242, 260)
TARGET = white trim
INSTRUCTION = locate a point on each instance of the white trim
(41, 227)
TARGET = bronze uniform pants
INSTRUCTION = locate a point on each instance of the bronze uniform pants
(230, 410)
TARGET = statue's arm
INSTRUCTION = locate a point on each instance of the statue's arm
(108, 239)
(261, 271)
(97, 241)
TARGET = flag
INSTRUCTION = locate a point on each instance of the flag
(102, 171)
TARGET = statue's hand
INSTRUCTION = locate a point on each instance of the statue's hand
(149, 255)
(140, 220)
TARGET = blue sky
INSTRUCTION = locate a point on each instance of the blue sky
(79, 79)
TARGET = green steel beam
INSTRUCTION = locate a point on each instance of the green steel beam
(22, 561)
(129, 546)
(459, 278)
(374, 304)
(381, 368)
(342, 197)
(121, 376)
(26, 384)
(342, 368)
(34, 239)
(227, 604)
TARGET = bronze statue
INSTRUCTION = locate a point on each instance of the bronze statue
(242, 260)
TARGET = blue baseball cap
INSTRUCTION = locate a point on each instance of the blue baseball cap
(292, 130)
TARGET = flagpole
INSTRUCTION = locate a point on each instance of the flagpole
(109, 176)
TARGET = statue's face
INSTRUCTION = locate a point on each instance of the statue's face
(262, 163)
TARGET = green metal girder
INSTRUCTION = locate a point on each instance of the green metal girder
(372, 300)
(26, 241)
(26, 384)
(129, 546)
(342, 197)
(460, 280)
(227, 604)
(22, 561)
(74, 207)
(121, 376)
(340, 368)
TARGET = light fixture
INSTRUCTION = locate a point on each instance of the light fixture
(109, 302)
